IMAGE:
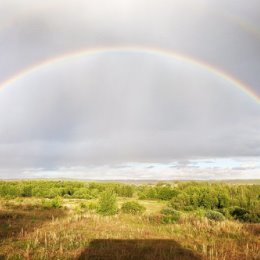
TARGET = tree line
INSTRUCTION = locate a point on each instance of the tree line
(241, 202)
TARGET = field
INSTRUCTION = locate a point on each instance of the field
(115, 221)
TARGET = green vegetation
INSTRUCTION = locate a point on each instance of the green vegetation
(214, 215)
(172, 220)
(107, 204)
(132, 207)
(170, 215)
(52, 203)
(239, 202)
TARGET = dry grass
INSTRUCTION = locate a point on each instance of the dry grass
(56, 235)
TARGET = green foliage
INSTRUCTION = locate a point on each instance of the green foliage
(252, 217)
(147, 192)
(26, 190)
(52, 203)
(225, 212)
(166, 192)
(107, 204)
(83, 205)
(82, 193)
(92, 206)
(244, 215)
(7, 190)
(238, 213)
(170, 215)
(182, 196)
(215, 196)
(81, 208)
(160, 191)
(214, 215)
(132, 207)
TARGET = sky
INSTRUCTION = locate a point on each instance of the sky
(130, 89)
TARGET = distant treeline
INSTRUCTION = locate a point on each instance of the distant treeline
(242, 200)
(66, 189)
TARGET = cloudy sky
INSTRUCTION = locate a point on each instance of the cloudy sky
(164, 99)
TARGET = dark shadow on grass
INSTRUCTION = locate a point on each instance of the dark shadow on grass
(155, 249)
(16, 221)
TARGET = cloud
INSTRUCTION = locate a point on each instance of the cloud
(115, 108)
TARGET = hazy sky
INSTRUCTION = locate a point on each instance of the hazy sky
(130, 114)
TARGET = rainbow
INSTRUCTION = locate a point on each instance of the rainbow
(135, 49)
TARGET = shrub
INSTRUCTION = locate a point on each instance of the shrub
(107, 204)
(155, 219)
(170, 215)
(214, 215)
(125, 191)
(252, 217)
(147, 192)
(244, 215)
(83, 205)
(225, 212)
(198, 213)
(82, 193)
(52, 203)
(81, 208)
(56, 202)
(92, 206)
(188, 208)
(166, 193)
(26, 191)
(238, 213)
(132, 207)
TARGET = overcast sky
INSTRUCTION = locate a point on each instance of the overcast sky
(129, 114)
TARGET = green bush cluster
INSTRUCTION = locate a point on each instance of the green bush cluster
(51, 203)
(161, 192)
(170, 215)
(107, 203)
(239, 201)
(92, 205)
(244, 215)
(214, 215)
(132, 207)
(66, 189)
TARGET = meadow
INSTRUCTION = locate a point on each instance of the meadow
(127, 221)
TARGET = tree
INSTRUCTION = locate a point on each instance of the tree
(107, 204)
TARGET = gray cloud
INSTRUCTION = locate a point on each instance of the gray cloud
(116, 108)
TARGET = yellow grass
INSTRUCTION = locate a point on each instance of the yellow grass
(33, 233)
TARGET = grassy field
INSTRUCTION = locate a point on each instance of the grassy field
(30, 228)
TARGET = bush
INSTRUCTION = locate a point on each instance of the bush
(214, 215)
(56, 202)
(82, 193)
(26, 191)
(166, 193)
(244, 215)
(170, 215)
(92, 206)
(155, 219)
(107, 204)
(225, 212)
(52, 203)
(125, 191)
(252, 217)
(132, 207)
(83, 205)
(81, 208)
(238, 213)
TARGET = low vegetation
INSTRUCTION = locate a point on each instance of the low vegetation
(167, 220)
(132, 207)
